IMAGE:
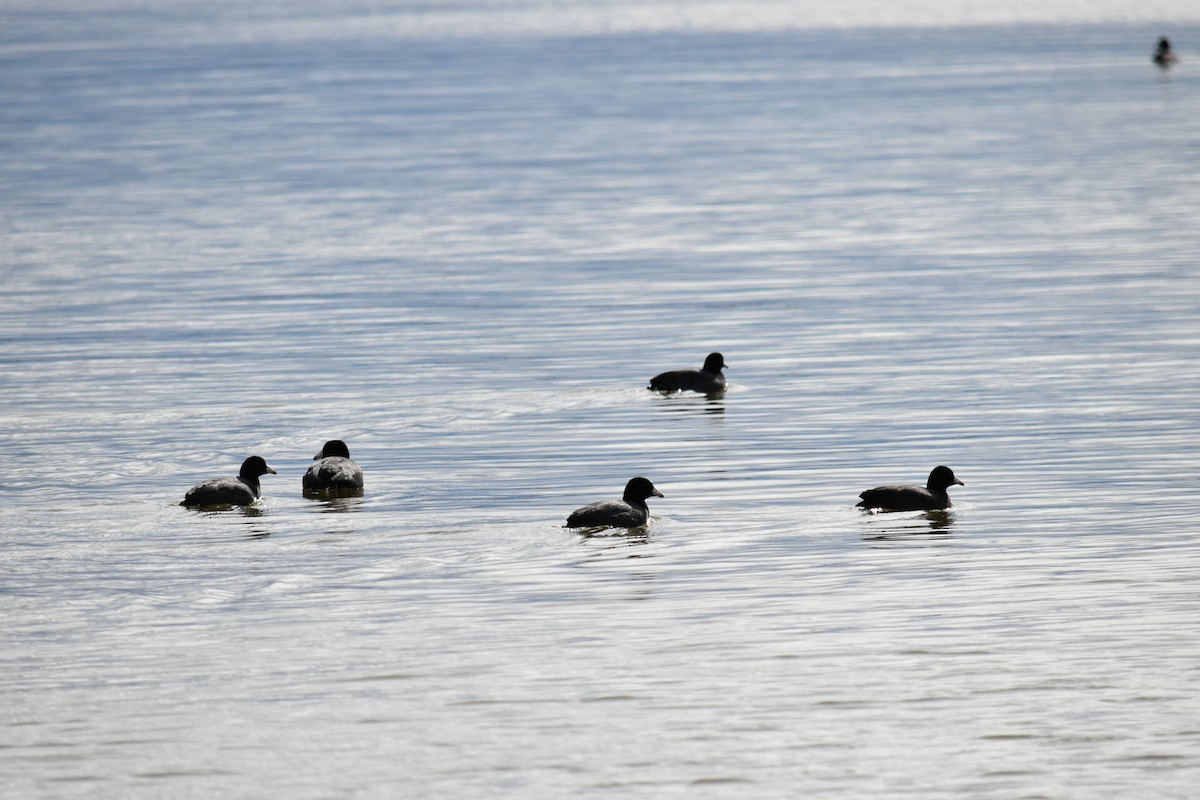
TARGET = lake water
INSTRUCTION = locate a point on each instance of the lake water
(461, 238)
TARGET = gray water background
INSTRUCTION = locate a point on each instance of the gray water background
(464, 255)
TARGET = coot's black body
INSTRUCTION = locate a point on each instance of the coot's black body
(630, 511)
(708, 379)
(240, 490)
(930, 497)
(333, 470)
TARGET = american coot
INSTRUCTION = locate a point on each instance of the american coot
(1164, 56)
(333, 470)
(913, 498)
(708, 379)
(630, 511)
(241, 490)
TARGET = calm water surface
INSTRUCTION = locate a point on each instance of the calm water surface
(464, 251)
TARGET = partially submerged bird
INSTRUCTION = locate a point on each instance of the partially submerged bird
(333, 470)
(707, 379)
(1164, 56)
(240, 490)
(930, 497)
(630, 511)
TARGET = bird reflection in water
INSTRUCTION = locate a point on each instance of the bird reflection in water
(615, 537)
(340, 504)
(250, 518)
(609, 553)
(937, 522)
(685, 404)
(603, 542)
(254, 530)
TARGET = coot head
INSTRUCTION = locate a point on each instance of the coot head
(640, 489)
(334, 447)
(255, 466)
(714, 363)
(943, 478)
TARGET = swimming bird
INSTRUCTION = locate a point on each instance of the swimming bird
(707, 379)
(930, 497)
(630, 511)
(333, 470)
(241, 490)
(1164, 56)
